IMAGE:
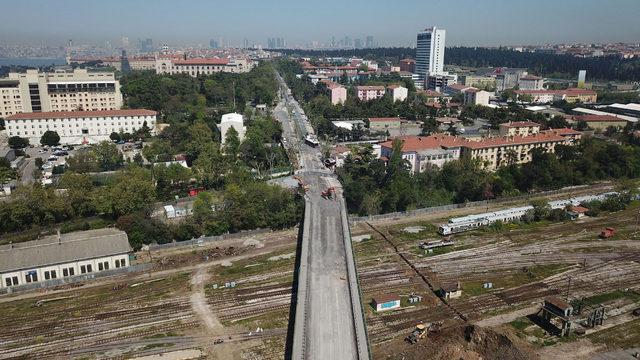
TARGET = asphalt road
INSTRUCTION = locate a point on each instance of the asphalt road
(324, 322)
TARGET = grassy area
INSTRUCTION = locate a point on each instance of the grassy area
(255, 266)
(611, 296)
(625, 335)
(511, 279)
(272, 320)
(399, 234)
(521, 323)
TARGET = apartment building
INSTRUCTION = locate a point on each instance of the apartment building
(63, 90)
(478, 81)
(519, 128)
(474, 96)
(570, 95)
(337, 92)
(398, 92)
(202, 66)
(366, 93)
(79, 127)
(530, 82)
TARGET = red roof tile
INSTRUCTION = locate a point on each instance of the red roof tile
(198, 61)
(597, 118)
(516, 124)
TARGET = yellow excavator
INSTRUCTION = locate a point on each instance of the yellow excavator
(417, 334)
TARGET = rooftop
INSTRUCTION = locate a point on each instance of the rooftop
(518, 124)
(557, 302)
(386, 298)
(385, 119)
(530, 77)
(78, 114)
(370, 87)
(451, 287)
(597, 118)
(70, 247)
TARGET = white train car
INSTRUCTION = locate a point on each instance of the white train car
(470, 222)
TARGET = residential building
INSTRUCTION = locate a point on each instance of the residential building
(430, 52)
(570, 95)
(519, 128)
(439, 82)
(386, 302)
(433, 96)
(232, 120)
(80, 127)
(424, 151)
(63, 256)
(455, 88)
(530, 82)
(34, 91)
(450, 291)
(408, 65)
(337, 92)
(485, 82)
(398, 92)
(366, 93)
(600, 122)
(474, 96)
(202, 66)
(382, 124)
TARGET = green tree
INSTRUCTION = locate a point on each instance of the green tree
(142, 230)
(132, 191)
(115, 136)
(231, 143)
(541, 209)
(50, 138)
(16, 142)
(107, 155)
(202, 207)
(83, 161)
(79, 193)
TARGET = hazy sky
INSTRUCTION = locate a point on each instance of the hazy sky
(468, 22)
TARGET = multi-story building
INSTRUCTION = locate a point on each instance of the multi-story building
(486, 82)
(476, 97)
(430, 53)
(63, 256)
(201, 66)
(398, 92)
(337, 92)
(366, 93)
(79, 127)
(408, 65)
(530, 82)
(79, 89)
(570, 95)
(439, 82)
(422, 151)
(519, 128)
(600, 122)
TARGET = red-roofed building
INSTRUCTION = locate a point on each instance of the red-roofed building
(80, 127)
(599, 121)
(492, 152)
(202, 66)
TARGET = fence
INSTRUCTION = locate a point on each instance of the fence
(208, 239)
(472, 204)
(76, 279)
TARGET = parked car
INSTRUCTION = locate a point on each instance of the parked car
(52, 158)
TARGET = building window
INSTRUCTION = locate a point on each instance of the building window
(31, 276)
(85, 269)
(68, 272)
(103, 266)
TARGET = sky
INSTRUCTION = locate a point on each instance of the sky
(391, 23)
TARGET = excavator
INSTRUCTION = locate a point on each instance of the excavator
(330, 193)
(421, 330)
(301, 184)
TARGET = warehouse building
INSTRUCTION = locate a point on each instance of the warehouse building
(61, 256)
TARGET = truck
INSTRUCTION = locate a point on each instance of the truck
(607, 232)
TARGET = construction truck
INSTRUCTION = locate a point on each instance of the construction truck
(330, 193)
(417, 334)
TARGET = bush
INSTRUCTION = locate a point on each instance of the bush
(142, 230)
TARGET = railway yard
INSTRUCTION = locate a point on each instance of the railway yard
(232, 299)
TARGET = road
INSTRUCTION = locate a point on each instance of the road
(329, 319)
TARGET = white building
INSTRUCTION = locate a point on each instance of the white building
(430, 53)
(476, 97)
(232, 120)
(201, 66)
(79, 127)
(35, 91)
(62, 256)
(398, 92)
(530, 82)
(370, 92)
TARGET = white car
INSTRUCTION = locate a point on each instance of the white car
(47, 165)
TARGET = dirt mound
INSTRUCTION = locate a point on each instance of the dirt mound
(466, 342)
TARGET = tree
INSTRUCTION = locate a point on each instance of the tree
(142, 230)
(107, 155)
(50, 138)
(202, 207)
(541, 209)
(16, 142)
(132, 191)
(83, 161)
(231, 143)
(115, 136)
(79, 193)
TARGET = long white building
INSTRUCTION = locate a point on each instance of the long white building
(62, 256)
(201, 66)
(79, 127)
(75, 90)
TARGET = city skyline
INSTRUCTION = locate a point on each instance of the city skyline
(469, 23)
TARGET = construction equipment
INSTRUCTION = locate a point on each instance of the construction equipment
(607, 232)
(301, 183)
(417, 334)
(330, 193)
